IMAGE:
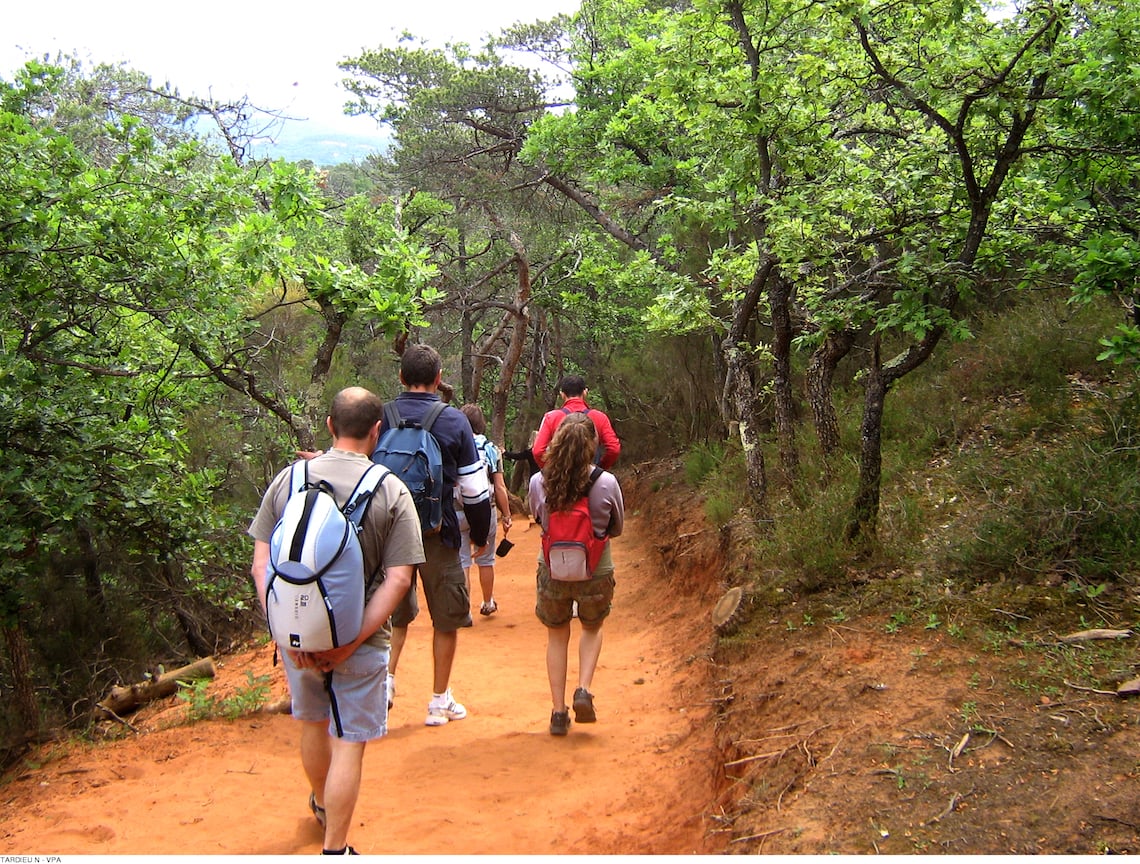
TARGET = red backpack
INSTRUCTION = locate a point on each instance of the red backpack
(570, 547)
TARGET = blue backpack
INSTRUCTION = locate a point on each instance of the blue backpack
(412, 453)
(315, 581)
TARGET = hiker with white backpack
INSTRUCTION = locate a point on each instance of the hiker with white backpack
(485, 560)
(337, 693)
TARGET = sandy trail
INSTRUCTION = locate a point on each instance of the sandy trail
(495, 783)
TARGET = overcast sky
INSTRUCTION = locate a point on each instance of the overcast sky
(282, 57)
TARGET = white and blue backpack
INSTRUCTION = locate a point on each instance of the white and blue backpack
(315, 581)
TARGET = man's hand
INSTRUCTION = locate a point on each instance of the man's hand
(322, 661)
(308, 454)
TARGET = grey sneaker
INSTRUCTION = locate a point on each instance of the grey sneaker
(584, 706)
(559, 722)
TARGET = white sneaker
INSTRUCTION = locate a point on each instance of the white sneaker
(390, 687)
(444, 708)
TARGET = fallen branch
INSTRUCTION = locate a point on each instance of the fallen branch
(1132, 825)
(759, 836)
(757, 757)
(1090, 689)
(1087, 635)
(956, 751)
(954, 799)
(101, 708)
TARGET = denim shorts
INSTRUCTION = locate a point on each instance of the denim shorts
(352, 697)
(555, 604)
(445, 589)
(487, 559)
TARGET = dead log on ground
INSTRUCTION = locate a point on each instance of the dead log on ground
(125, 699)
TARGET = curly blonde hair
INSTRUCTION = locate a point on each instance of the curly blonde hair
(569, 461)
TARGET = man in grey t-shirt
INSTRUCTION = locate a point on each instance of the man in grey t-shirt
(348, 681)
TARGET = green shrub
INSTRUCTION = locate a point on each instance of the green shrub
(702, 460)
(204, 705)
(1067, 509)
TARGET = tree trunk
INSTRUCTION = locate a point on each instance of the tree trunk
(739, 395)
(23, 691)
(742, 401)
(125, 699)
(190, 629)
(880, 378)
(865, 511)
(519, 332)
(779, 298)
(92, 581)
(820, 376)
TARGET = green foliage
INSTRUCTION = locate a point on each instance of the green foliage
(717, 471)
(703, 460)
(203, 705)
(1063, 508)
(136, 265)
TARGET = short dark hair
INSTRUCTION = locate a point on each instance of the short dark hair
(354, 412)
(475, 416)
(573, 385)
(420, 365)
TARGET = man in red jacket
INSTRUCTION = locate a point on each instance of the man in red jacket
(573, 391)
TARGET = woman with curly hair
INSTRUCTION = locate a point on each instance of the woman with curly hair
(569, 475)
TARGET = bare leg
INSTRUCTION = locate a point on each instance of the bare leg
(443, 657)
(342, 788)
(315, 756)
(487, 581)
(399, 637)
(589, 650)
(557, 651)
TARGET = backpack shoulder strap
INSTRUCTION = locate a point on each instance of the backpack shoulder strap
(298, 476)
(392, 414)
(432, 415)
(594, 475)
(357, 504)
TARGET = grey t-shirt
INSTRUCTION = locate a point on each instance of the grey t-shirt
(607, 506)
(390, 534)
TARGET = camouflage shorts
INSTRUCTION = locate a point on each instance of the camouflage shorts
(555, 604)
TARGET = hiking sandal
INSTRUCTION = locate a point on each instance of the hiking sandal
(318, 812)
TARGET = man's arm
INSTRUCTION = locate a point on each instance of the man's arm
(607, 437)
(542, 440)
(397, 581)
(257, 570)
(502, 501)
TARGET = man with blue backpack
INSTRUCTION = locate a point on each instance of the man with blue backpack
(337, 692)
(461, 471)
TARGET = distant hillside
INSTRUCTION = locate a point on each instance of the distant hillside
(325, 148)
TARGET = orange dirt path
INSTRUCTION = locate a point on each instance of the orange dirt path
(635, 782)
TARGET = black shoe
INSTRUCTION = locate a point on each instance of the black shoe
(559, 722)
(347, 850)
(584, 706)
